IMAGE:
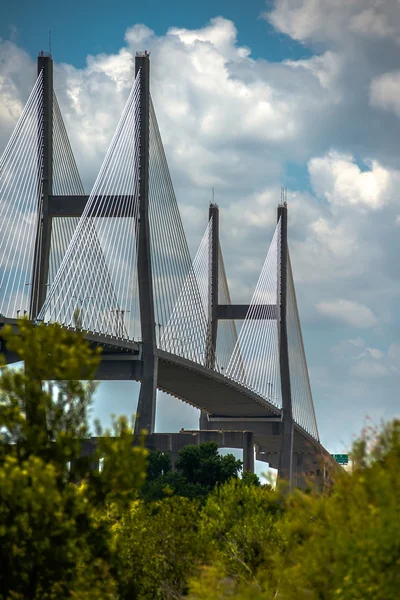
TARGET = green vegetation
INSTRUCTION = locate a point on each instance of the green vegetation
(137, 530)
(198, 470)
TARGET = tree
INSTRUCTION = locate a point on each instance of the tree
(205, 466)
(52, 542)
(198, 470)
(342, 545)
(238, 526)
(157, 549)
(159, 463)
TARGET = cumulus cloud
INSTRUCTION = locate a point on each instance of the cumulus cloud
(340, 180)
(244, 126)
(369, 369)
(319, 20)
(348, 312)
(385, 92)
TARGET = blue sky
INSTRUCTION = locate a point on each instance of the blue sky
(91, 27)
(312, 103)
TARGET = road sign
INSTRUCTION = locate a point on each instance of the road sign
(341, 459)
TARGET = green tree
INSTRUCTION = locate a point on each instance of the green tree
(52, 542)
(238, 527)
(159, 463)
(157, 549)
(198, 470)
(205, 466)
(251, 478)
(343, 545)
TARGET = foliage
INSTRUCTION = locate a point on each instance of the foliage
(238, 526)
(204, 465)
(71, 530)
(52, 542)
(159, 463)
(250, 478)
(344, 545)
(157, 549)
(198, 470)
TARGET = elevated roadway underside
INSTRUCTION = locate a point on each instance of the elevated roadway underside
(230, 405)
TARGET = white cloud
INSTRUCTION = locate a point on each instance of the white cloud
(340, 180)
(371, 22)
(350, 313)
(322, 20)
(357, 342)
(347, 349)
(369, 369)
(371, 353)
(234, 122)
(325, 68)
(384, 92)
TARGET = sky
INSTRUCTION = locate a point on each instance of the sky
(249, 97)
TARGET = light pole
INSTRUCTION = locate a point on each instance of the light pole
(120, 320)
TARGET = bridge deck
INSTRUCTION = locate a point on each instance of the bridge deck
(230, 404)
(209, 390)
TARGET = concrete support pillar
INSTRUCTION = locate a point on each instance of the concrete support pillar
(248, 451)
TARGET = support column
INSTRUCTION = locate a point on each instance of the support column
(212, 328)
(286, 456)
(43, 233)
(146, 409)
(248, 451)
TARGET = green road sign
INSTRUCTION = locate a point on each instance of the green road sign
(342, 459)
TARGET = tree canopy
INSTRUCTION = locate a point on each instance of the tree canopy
(69, 529)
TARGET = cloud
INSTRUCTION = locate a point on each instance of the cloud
(348, 312)
(326, 126)
(369, 369)
(340, 180)
(322, 20)
(357, 342)
(385, 92)
(371, 353)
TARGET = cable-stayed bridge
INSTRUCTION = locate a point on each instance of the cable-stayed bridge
(116, 265)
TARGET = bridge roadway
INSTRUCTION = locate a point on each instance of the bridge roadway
(230, 405)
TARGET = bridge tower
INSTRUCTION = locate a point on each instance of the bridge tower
(212, 317)
(43, 232)
(146, 409)
(287, 432)
(125, 358)
(217, 312)
(147, 397)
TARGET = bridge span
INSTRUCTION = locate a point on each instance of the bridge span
(115, 264)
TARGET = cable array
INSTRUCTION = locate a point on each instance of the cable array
(227, 333)
(21, 169)
(256, 353)
(170, 256)
(186, 333)
(95, 286)
(302, 401)
(66, 182)
(93, 260)
(66, 178)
